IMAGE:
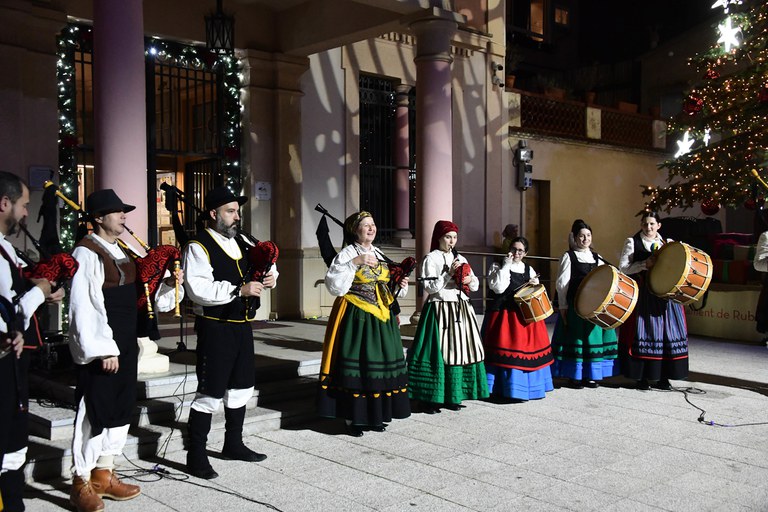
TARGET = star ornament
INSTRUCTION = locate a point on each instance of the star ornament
(684, 145)
(728, 35)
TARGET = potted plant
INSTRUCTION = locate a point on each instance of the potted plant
(511, 60)
(552, 87)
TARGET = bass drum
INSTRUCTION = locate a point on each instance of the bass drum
(681, 273)
(606, 297)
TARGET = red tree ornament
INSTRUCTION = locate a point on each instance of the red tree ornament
(712, 74)
(750, 204)
(762, 95)
(710, 206)
(693, 104)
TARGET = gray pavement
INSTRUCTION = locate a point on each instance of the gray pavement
(611, 448)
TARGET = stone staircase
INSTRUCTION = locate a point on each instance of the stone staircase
(285, 395)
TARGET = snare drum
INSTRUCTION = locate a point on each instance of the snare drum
(606, 297)
(534, 303)
(681, 273)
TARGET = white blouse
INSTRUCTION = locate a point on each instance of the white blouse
(443, 287)
(341, 273)
(499, 278)
(626, 263)
(761, 254)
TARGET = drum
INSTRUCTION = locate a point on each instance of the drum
(606, 297)
(681, 273)
(534, 303)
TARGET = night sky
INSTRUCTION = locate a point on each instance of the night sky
(614, 30)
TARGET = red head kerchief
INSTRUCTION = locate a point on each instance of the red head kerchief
(441, 227)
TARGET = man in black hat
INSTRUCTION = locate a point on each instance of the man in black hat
(102, 325)
(27, 295)
(214, 263)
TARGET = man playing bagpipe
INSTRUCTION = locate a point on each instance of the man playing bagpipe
(103, 341)
(216, 262)
(21, 297)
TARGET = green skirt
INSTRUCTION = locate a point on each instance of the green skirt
(363, 377)
(430, 379)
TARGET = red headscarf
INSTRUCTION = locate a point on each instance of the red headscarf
(441, 228)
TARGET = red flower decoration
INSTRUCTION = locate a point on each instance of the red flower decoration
(712, 74)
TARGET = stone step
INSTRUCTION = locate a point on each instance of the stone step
(47, 459)
(54, 421)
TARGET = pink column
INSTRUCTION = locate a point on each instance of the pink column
(434, 158)
(120, 105)
(402, 164)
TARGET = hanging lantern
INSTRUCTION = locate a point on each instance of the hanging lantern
(220, 32)
(710, 206)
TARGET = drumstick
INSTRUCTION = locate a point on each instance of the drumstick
(757, 175)
(526, 283)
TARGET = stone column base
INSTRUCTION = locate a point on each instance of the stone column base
(149, 360)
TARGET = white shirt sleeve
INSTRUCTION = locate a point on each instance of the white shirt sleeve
(341, 273)
(626, 263)
(498, 276)
(563, 279)
(198, 279)
(761, 254)
(91, 336)
(29, 301)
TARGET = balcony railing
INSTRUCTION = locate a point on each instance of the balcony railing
(537, 113)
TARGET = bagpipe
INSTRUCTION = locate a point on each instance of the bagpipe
(397, 271)
(150, 268)
(261, 256)
(462, 271)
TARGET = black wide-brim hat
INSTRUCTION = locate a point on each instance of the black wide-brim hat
(221, 196)
(106, 201)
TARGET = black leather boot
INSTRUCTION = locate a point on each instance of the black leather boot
(198, 426)
(233, 438)
(12, 490)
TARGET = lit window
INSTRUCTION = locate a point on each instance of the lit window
(561, 16)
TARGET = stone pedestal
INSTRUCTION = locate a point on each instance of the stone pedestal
(149, 360)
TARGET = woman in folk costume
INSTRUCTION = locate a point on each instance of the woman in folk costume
(584, 353)
(654, 339)
(445, 362)
(517, 355)
(362, 376)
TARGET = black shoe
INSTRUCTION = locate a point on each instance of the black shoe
(453, 407)
(591, 384)
(378, 428)
(643, 385)
(354, 431)
(429, 408)
(204, 473)
(664, 384)
(242, 452)
(575, 384)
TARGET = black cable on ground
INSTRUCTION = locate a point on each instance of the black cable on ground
(701, 419)
(158, 472)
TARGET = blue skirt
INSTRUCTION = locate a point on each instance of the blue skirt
(519, 384)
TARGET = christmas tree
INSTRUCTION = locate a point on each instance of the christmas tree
(723, 126)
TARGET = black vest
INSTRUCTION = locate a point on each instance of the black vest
(579, 271)
(506, 299)
(641, 253)
(224, 269)
(21, 285)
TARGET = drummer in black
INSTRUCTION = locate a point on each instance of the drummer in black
(654, 339)
(584, 353)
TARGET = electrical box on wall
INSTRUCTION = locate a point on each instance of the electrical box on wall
(523, 167)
